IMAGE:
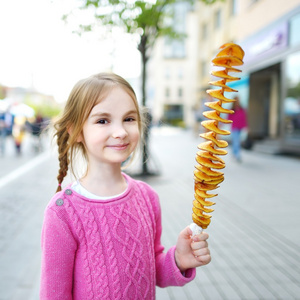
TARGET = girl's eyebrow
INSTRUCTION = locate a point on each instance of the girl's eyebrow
(99, 114)
(105, 114)
(134, 111)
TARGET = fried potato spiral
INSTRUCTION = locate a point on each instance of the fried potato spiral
(206, 179)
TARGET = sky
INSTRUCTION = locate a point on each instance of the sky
(37, 48)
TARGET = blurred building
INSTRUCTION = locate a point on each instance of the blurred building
(268, 31)
(172, 76)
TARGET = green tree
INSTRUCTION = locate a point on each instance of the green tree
(294, 91)
(148, 19)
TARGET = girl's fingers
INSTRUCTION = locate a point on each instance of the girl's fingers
(199, 245)
(200, 237)
(203, 259)
(200, 249)
(201, 252)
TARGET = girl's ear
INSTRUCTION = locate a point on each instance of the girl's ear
(79, 138)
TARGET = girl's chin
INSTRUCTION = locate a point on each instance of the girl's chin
(118, 159)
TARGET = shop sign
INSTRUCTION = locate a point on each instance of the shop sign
(266, 44)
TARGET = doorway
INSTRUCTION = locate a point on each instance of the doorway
(264, 103)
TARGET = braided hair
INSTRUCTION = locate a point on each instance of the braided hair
(68, 128)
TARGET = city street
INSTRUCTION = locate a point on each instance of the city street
(254, 232)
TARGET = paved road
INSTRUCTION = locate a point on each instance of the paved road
(254, 234)
(26, 181)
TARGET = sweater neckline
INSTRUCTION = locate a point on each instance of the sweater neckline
(105, 200)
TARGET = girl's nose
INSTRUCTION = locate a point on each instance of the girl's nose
(119, 132)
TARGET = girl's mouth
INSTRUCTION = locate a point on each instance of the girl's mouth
(119, 147)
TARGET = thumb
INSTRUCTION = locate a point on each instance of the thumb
(186, 233)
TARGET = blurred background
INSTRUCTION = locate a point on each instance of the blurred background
(46, 46)
(164, 49)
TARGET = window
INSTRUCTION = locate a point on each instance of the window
(167, 92)
(180, 92)
(233, 7)
(204, 32)
(217, 19)
(180, 73)
(173, 114)
(174, 48)
(167, 73)
(294, 30)
(292, 101)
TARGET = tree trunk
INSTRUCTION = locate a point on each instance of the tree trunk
(142, 48)
(144, 76)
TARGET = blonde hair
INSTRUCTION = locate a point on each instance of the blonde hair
(84, 96)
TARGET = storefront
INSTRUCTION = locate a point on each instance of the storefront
(173, 114)
(271, 84)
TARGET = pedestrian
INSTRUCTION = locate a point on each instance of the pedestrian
(239, 119)
(37, 128)
(101, 233)
(19, 132)
(6, 123)
(2, 133)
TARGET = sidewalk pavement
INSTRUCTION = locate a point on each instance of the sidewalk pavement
(10, 160)
(254, 233)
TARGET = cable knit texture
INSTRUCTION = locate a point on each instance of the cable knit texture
(106, 249)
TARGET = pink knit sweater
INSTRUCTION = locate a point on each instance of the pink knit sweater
(106, 249)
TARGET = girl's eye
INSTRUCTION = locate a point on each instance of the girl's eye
(129, 119)
(102, 121)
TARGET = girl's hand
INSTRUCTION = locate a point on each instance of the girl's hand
(191, 252)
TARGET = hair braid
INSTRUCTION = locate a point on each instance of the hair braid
(63, 157)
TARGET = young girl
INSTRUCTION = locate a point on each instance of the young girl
(101, 234)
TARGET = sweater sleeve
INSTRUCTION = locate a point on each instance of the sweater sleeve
(167, 272)
(58, 252)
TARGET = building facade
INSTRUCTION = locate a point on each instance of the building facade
(271, 74)
(172, 74)
(270, 85)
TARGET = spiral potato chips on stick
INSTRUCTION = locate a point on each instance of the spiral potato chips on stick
(206, 178)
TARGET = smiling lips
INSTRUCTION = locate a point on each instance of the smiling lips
(119, 147)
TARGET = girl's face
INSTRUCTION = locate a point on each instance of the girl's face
(111, 133)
